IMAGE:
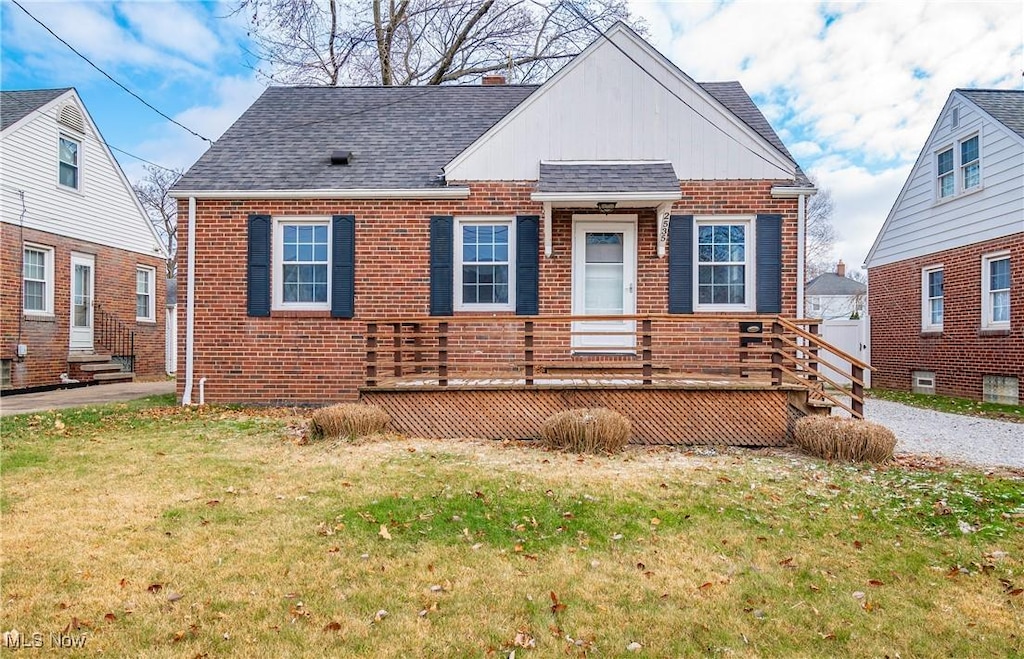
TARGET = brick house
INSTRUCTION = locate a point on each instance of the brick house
(81, 268)
(618, 188)
(946, 272)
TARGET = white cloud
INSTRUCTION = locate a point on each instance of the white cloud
(173, 27)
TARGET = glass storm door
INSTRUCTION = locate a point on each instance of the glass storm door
(82, 267)
(604, 284)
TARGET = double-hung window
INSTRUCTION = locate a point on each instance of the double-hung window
(68, 153)
(302, 264)
(947, 182)
(932, 299)
(970, 164)
(145, 298)
(995, 291)
(37, 275)
(484, 264)
(724, 260)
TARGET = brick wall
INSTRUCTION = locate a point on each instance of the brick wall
(311, 357)
(47, 338)
(962, 353)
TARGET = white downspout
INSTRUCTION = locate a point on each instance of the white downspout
(190, 305)
(801, 237)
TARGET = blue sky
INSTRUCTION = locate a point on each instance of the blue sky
(853, 88)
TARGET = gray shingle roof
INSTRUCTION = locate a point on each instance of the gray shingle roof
(607, 177)
(830, 283)
(732, 95)
(1005, 105)
(400, 137)
(14, 105)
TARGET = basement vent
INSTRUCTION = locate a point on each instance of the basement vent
(924, 382)
(1003, 389)
(340, 157)
(72, 118)
(954, 118)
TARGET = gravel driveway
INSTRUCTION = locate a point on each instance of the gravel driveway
(970, 439)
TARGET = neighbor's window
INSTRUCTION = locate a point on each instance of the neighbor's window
(724, 264)
(302, 264)
(484, 271)
(970, 166)
(37, 273)
(945, 172)
(932, 299)
(69, 151)
(145, 293)
(995, 291)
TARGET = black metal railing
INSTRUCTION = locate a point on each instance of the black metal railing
(115, 336)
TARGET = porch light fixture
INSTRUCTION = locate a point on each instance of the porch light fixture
(606, 206)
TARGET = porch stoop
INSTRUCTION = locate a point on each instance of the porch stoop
(97, 367)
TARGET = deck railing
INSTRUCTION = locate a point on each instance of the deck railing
(115, 336)
(646, 350)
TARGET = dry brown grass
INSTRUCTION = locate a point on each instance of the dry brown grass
(836, 438)
(348, 420)
(586, 430)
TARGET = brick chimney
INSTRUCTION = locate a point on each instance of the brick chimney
(493, 80)
(841, 268)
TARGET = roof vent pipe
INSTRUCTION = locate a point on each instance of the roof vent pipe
(340, 157)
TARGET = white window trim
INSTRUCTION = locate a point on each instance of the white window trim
(963, 189)
(277, 280)
(750, 291)
(986, 292)
(508, 221)
(926, 310)
(48, 267)
(150, 316)
(62, 135)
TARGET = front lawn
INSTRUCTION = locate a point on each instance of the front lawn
(156, 531)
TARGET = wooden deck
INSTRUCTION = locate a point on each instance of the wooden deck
(684, 380)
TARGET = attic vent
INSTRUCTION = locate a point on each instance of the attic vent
(340, 157)
(72, 118)
(954, 118)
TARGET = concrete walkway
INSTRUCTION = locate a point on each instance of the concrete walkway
(94, 395)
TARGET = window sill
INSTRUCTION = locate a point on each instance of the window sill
(68, 189)
(300, 313)
(959, 195)
(931, 333)
(145, 321)
(40, 317)
(994, 331)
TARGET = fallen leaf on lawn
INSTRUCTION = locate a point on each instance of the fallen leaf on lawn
(123, 583)
(875, 582)
(617, 536)
(380, 615)
(155, 588)
(634, 647)
(173, 597)
(858, 594)
(58, 424)
(384, 532)
(213, 502)
(787, 562)
(110, 617)
(332, 626)
(655, 521)
(556, 606)
(523, 639)
(705, 585)
(857, 544)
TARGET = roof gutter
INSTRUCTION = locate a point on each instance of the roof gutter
(328, 193)
(784, 191)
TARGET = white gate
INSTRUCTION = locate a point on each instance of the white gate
(850, 336)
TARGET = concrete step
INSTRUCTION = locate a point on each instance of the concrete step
(120, 376)
(87, 358)
(100, 367)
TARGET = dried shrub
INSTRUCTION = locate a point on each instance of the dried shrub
(348, 420)
(586, 430)
(838, 438)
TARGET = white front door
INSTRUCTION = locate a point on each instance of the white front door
(604, 282)
(82, 279)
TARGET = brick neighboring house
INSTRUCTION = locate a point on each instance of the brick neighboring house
(619, 186)
(82, 272)
(946, 272)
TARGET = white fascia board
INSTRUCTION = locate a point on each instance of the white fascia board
(573, 197)
(331, 193)
(784, 191)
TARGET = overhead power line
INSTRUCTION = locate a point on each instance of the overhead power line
(108, 76)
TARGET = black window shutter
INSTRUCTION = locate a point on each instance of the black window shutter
(527, 268)
(680, 264)
(258, 266)
(769, 263)
(442, 248)
(343, 266)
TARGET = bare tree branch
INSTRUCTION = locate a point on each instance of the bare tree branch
(153, 193)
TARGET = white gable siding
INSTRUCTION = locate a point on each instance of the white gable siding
(102, 211)
(919, 224)
(603, 107)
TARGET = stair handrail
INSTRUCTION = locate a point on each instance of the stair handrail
(115, 335)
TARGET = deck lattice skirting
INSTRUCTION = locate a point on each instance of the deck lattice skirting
(738, 417)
